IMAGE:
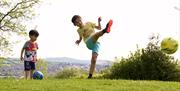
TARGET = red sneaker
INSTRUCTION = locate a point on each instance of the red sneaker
(108, 26)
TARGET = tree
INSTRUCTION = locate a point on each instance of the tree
(13, 17)
(177, 8)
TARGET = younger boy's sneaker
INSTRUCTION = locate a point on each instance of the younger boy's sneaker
(108, 26)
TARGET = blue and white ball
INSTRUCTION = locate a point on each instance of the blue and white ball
(38, 75)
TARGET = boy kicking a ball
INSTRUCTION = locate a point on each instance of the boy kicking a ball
(90, 37)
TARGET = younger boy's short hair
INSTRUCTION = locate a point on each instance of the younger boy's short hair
(74, 18)
(33, 32)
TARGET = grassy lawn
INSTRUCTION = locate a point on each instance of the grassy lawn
(86, 85)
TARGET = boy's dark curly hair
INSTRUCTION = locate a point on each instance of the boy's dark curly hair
(33, 32)
(74, 18)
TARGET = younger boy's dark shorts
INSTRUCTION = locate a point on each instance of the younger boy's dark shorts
(29, 65)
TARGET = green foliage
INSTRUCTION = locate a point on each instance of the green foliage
(146, 64)
(105, 73)
(42, 66)
(70, 73)
(1, 61)
(13, 17)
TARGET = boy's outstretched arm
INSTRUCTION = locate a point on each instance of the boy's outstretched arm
(99, 24)
(21, 56)
(78, 41)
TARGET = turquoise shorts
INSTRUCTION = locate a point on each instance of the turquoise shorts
(92, 46)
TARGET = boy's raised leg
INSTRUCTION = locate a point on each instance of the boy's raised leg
(107, 29)
(108, 26)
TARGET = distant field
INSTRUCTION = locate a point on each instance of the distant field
(86, 85)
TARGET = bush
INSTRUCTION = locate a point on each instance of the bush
(70, 73)
(42, 66)
(146, 64)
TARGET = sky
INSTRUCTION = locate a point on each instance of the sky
(134, 21)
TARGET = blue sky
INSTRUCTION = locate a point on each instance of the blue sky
(134, 22)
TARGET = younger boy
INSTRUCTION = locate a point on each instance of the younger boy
(30, 54)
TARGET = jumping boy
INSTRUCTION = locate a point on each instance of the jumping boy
(87, 33)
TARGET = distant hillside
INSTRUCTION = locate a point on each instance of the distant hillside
(59, 59)
(14, 67)
(72, 60)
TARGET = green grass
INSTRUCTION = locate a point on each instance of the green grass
(86, 85)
